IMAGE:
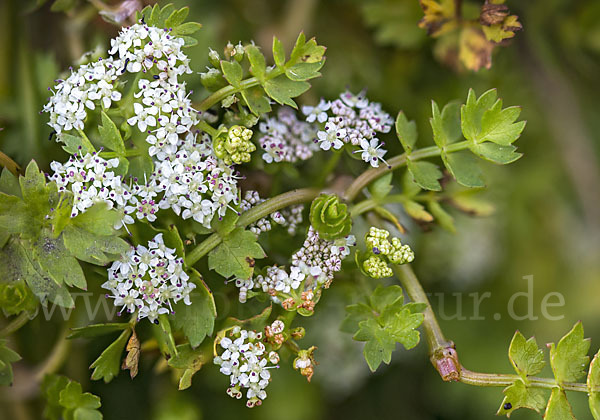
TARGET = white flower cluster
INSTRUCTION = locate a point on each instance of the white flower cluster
(286, 139)
(91, 181)
(247, 364)
(313, 266)
(149, 280)
(90, 85)
(352, 119)
(188, 177)
(289, 217)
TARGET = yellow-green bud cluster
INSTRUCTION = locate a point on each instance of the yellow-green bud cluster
(375, 267)
(235, 147)
(381, 251)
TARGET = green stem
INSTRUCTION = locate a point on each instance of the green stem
(396, 162)
(128, 153)
(329, 167)
(15, 324)
(439, 347)
(229, 90)
(255, 213)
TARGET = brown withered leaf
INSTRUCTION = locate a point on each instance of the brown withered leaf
(133, 355)
(492, 13)
(439, 18)
(475, 51)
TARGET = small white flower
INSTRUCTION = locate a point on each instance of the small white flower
(371, 152)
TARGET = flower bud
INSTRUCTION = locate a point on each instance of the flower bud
(329, 217)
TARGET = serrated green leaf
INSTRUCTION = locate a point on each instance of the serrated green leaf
(498, 125)
(472, 112)
(34, 190)
(235, 255)
(278, 52)
(7, 357)
(52, 385)
(73, 397)
(441, 216)
(108, 364)
(379, 343)
(57, 263)
(110, 136)
(98, 219)
(187, 28)
(9, 184)
(95, 249)
(258, 65)
(256, 100)
(233, 72)
(282, 90)
(593, 384)
(97, 330)
(177, 17)
(76, 144)
(15, 216)
(569, 358)
(445, 124)
(425, 174)
(406, 132)
(464, 168)
(304, 71)
(355, 314)
(383, 297)
(409, 186)
(306, 51)
(525, 356)
(17, 263)
(558, 407)
(496, 153)
(198, 319)
(518, 396)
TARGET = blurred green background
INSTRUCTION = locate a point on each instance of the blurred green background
(546, 224)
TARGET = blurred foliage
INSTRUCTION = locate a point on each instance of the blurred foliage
(547, 205)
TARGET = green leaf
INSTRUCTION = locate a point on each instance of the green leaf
(198, 319)
(9, 184)
(379, 343)
(384, 297)
(409, 186)
(235, 255)
(304, 71)
(108, 364)
(464, 168)
(7, 357)
(593, 384)
(569, 358)
(76, 144)
(17, 263)
(35, 192)
(558, 407)
(187, 28)
(98, 219)
(278, 52)
(445, 125)
(498, 125)
(226, 224)
(97, 330)
(496, 153)
(518, 396)
(233, 72)
(381, 187)
(190, 360)
(177, 17)
(406, 132)
(307, 52)
(282, 90)
(62, 5)
(525, 356)
(416, 211)
(355, 314)
(256, 322)
(15, 216)
(52, 385)
(425, 174)
(256, 100)
(57, 263)
(441, 216)
(95, 249)
(110, 137)
(73, 397)
(141, 167)
(258, 66)
(162, 14)
(472, 112)
(165, 338)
